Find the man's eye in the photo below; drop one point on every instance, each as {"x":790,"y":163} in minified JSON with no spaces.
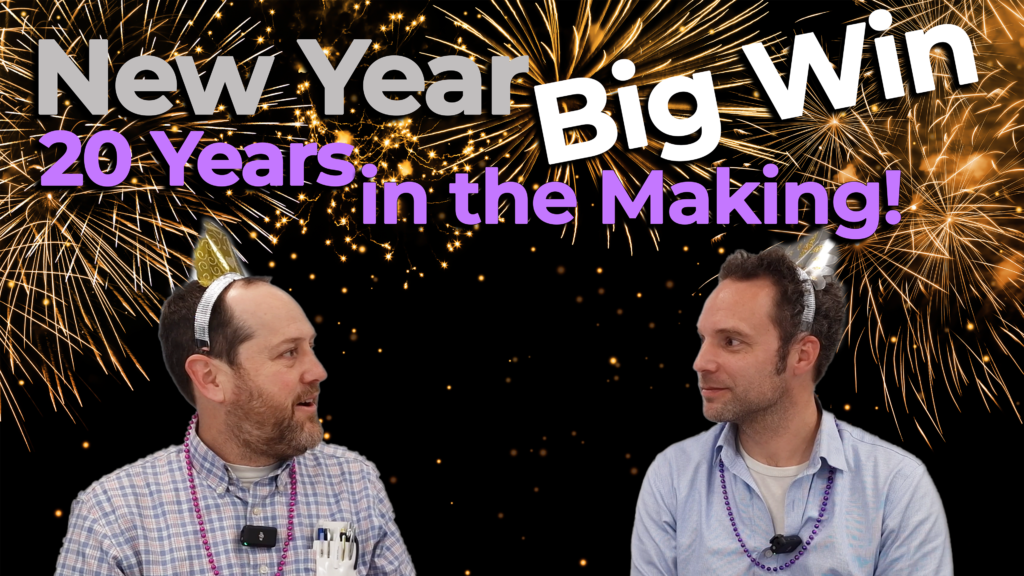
{"x":731,"y":342}
{"x":291,"y":352}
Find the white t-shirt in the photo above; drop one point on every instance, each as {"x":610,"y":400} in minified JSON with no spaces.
{"x":249,"y":474}
{"x":773,"y":483}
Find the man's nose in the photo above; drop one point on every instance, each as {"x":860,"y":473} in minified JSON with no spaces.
{"x":316,"y":371}
{"x":704,"y":362}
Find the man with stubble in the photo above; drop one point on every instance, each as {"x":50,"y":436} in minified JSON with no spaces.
{"x":252,"y":456}
{"x":780,"y":485}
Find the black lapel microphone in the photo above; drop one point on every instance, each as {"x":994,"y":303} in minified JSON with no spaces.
{"x":259,"y":536}
{"x":784,"y":544}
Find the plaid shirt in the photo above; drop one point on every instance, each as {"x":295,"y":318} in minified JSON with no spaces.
{"x":139,"y":519}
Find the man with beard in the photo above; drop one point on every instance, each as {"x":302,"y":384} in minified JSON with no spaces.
{"x":252,"y":457}
{"x":780,"y":484}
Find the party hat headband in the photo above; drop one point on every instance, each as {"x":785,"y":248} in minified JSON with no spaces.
{"x":215,"y":267}
{"x":813,"y":255}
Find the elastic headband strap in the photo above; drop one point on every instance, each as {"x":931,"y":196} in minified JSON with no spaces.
{"x":206,"y":308}
{"x":808,"y":319}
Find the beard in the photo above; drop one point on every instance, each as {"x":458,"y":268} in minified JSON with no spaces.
{"x":264,"y":429}
{"x":761,"y":399}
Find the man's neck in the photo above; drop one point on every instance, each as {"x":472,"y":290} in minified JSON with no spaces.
{"x":785,"y":438}
{"x":211,"y":431}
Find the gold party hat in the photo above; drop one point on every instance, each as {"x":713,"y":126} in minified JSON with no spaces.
{"x":214,"y":256}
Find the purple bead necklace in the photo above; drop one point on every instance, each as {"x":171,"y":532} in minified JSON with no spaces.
{"x":803,"y":548}
{"x":199,"y":514}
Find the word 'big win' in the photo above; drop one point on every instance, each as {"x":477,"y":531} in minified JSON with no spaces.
{"x":788,"y":101}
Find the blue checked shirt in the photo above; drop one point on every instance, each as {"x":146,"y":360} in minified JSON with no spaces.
{"x":884,"y":515}
{"x":139,"y":519}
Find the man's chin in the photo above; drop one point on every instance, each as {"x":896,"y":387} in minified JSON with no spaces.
{"x":304,"y":435}
{"x":304,"y":443}
{"x":316,"y":435}
{"x":714,"y":413}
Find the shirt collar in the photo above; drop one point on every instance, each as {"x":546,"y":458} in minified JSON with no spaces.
{"x":214,"y":471}
{"x":828,"y":445}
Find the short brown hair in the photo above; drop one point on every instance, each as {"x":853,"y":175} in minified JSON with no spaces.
{"x":829,"y":302}
{"x":178,"y":337}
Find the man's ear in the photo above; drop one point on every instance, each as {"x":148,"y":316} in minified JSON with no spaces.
{"x":805,"y":355}
{"x":208,"y":377}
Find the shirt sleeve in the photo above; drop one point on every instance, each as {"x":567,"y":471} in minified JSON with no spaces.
{"x":88,"y":549}
{"x":389,"y":556}
{"x":654,"y":527}
{"x":915,"y":536}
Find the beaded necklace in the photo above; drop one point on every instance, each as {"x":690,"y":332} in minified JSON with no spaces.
{"x":199,"y":514}
{"x":803,"y":548}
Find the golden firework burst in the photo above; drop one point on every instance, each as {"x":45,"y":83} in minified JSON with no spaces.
{"x":78,"y":264}
{"x":662,"y":39}
{"x":935,"y":301}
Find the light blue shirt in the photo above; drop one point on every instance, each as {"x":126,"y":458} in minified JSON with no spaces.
{"x":884,"y":515}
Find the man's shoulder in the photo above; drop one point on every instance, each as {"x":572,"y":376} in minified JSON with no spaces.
{"x":866,"y":447}
{"x":698,"y":443}
{"x":335,"y":456}
{"x":863,"y":441}
{"x":695,"y":448}
{"x":132,"y":478}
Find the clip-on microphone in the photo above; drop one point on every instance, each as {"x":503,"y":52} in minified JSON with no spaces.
{"x":783,"y":544}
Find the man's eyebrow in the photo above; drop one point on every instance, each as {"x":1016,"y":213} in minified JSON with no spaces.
{"x":728,"y":331}
{"x":293,"y":340}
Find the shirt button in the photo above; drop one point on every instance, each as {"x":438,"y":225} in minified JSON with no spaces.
{"x":263,"y":569}
{"x":255,"y":511}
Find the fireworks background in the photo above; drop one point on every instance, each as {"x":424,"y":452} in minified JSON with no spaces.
{"x":80,"y":267}
{"x":547,"y":367}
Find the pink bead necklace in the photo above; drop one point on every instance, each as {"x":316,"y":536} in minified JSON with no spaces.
{"x":199,"y":514}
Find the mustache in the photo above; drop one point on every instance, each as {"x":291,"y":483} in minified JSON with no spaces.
{"x":307,"y":394}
